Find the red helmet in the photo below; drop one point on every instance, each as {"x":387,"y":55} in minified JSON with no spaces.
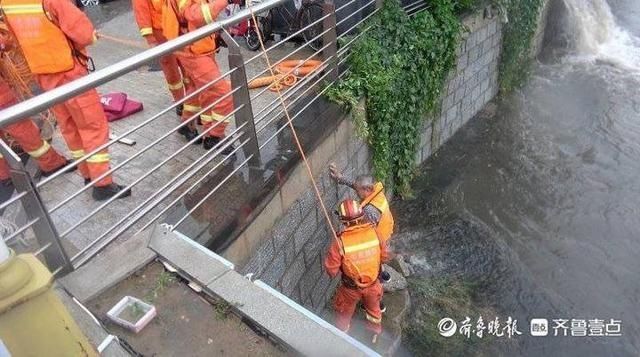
{"x":349,"y":210}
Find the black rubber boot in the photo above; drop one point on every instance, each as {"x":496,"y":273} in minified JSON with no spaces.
{"x":179,"y":110}
{"x":64,"y":168}
{"x":189,"y":134}
{"x":105,"y":192}
{"x":211,"y":141}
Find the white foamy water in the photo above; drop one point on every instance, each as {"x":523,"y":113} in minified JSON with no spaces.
{"x":597,"y":36}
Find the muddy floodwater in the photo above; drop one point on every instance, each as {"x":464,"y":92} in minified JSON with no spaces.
{"x":538,"y":203}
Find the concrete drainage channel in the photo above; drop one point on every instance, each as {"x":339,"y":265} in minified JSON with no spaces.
{"x":267,"y":309}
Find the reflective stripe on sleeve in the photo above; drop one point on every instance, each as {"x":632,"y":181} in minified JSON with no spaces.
{"x":206,"y":12}
{"x":99,"y":158}
{"x":146,"y":31}
{"x":40,"y":151}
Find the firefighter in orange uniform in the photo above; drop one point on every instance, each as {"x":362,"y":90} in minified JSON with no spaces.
{"x":53,"y":36}
{"x":358,"y":256}
{"x":198,"y":62}
{"x":26,"y":133}
{"x":148,"y":14}
{"x":373,"y":201}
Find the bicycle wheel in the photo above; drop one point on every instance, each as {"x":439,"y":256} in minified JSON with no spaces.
{"x":310,"y":21}
{"x":251,"y":38}
{"x":253,"y":42}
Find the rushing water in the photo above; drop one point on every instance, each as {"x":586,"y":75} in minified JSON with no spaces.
{"x":540,"y":203}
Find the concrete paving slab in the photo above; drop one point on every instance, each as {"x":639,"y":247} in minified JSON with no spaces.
{"x":272,"y":312}
{"x":192,"y":259}
{"x":284,"y":319}
{"x":105,"y":270}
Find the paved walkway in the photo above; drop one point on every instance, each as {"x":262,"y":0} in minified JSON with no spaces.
{"x":116,"y":19}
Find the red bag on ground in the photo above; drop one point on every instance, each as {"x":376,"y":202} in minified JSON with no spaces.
{"x":118,"y":105}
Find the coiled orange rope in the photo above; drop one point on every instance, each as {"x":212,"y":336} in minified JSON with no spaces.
{"x":15,"y":70}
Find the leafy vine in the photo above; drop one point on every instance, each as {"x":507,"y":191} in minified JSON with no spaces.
{"x":518,"y":33}
{"x":398,"y":66}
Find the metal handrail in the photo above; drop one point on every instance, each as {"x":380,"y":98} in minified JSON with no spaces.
{"x":155,"y":205}
{"x":45,"y":100}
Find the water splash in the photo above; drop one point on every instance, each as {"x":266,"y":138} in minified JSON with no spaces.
{"x":597,"y":37}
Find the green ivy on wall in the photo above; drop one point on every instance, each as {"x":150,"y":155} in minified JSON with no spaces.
{"x":518,"y":33}
{"x":399,"y":67}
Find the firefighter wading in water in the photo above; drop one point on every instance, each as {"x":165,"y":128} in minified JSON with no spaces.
{"x":358,"y":255}
{"x":199,"y":65}
{"x":53,"y":36}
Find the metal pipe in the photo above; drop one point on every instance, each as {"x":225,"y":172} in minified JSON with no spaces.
{"x":164,"y":210}
{"x":344,"y":5}
{"x":294,"y":101}
{"x":358,"y":24}
{"x":163,"y":188}
{"x":183,"y":178}
{"x":21,"y":229}
{"x":45,"y":100}
{"x":283,"y":41}
{"x":347,"y":46}
{"x":39,"y":251}
{"x":13,"y":199}
{"x":268,"y":69}
{"x":419,"y":2}
{"x":129,"y":159}
{"x":5,"y":253}
{"x":211,"y":192}
{"x":274,"y":103}
{"x":138,"y":180}
{"x":298,"y":113}
{"x":116,"y":139}
{"x":357,"y":11}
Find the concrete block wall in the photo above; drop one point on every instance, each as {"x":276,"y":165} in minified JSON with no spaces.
{"x":291,"y":255}
{"x":290,"y":248}
{"x":471,"y":85}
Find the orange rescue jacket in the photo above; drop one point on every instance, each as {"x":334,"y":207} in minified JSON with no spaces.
{"x":378,"y":200}
{"x":183,"y":16}
{"x":361,"y":254}
{"x":45,"y":47}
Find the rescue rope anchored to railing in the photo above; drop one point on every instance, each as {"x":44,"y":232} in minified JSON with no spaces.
{"x":278,"y":90}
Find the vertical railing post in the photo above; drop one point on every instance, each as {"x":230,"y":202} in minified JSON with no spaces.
{"x":330,"y":39}
{"x":241,"y":98}
{"x":44,"y":229}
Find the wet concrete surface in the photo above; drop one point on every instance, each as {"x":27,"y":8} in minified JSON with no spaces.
{"x":536,"y":202}
{"x":243,"y":188}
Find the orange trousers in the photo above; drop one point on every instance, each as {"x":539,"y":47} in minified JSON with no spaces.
{"x":169,"y":66}
{"x":27,"y":135}
{"x":200,"y":70}
{"x":82,"y":123}
{"x":345,"y":305}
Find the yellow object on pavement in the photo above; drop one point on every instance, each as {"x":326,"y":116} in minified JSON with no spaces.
{"x":33,"y":320}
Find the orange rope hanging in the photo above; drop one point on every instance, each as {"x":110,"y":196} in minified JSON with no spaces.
{"x":295,"y":134}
